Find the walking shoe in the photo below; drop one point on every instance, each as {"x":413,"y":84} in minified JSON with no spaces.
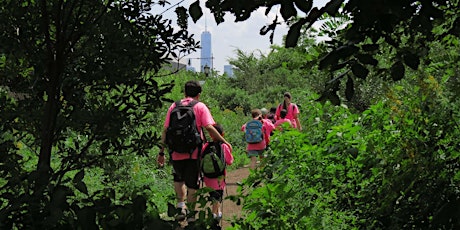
{"x":191,"y":219}
{"x":181,"y":214}
{"x":217,"y":217}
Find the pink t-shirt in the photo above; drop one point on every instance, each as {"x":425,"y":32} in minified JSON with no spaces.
{"x":203,"y":118}
{"x":292,"y":113}
{"x":267,"y":128}
{"x":279,"y":122}
{"x":219,"y":183}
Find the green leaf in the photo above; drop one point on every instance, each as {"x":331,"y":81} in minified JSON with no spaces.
{"x":195,"y":11}
{"x":397,"y":71}
{"x":370,"y":47}
{"x":287,"y":10}
{"x":303,"y":5}
{"x":367,"y":59}
{"x":359,"y":70}
{"x":79,"y":177}
{"x":81,"y":186}
{"x":334,"y":98}
{"x":293,"y":34}
{"x":171,"y":210}
{"x":350,"y":89}
{"x":412,"y":60}
{"x":330,"y":59}
{"x":333,"y":6}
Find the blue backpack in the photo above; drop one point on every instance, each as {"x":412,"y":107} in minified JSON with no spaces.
{"x":254,"y":133}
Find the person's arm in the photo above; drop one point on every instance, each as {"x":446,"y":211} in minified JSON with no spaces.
{"x":213,"y":133}
{"x":297,"y":121}
{"x":228,"y":154}
{"x":161,"y":154}
{"x":296,"y":113}
{"x":277,"y":112}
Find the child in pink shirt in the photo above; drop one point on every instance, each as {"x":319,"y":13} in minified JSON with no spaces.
{"x":283,"y":120}
{"x":218,"y":184}
{"x":291,"y":109}
{"x":257,"y":149}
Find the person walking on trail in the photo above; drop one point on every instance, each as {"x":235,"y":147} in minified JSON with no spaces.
{"x":283,"y":120}
{"x":270,"y":126}
{"x":271,"y":115}
{"x":184,"y":143}
{"x":256,"y":132}
{"x":218,"y":184}
{"x":292,"y":111}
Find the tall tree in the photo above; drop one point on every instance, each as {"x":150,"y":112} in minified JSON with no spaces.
{"x":81,"y":67}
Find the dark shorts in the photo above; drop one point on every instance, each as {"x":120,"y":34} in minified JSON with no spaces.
{"x":216,"y":195}
{"x":255,"y":153}
{"x":186,"y":171}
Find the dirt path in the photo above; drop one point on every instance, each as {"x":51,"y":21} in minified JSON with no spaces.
{"x":230,"y":209}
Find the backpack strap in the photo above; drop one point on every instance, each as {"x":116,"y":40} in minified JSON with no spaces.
{"x":192,"y":104}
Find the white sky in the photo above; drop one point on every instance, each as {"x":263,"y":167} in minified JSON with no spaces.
{"x":229,"y":36}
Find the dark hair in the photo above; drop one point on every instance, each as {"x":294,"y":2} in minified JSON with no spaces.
{"x":219,"y":128}
{"x":283,"y":113}
{"x":255,"y":113}
{"x":273,"y":110}
{"x":192,"y":88}
{"x":288,"y":95}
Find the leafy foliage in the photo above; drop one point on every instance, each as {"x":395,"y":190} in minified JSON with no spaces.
{"x":394,"y":166}
{"x":77,"y":97}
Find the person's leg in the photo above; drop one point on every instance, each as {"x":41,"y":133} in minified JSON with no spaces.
{"x":261,"y":158}
{"x":253,"y":162}
{"x":215,"y":207}
{"x":191,"y":182}
{"x":216,"y":198}
{"x":180,"y":189}
{"x":191,"y":198}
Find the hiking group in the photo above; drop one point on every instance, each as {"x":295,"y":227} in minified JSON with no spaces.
{"x":195,"y":159}
{"x":257,"y":131}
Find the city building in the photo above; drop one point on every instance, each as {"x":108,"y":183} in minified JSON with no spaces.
{"x":206,"y":51}
{"x":191,"y":68}
{"x":228,"y":70}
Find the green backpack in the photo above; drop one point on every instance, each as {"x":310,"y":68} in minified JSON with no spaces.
{"x":213,"y":160}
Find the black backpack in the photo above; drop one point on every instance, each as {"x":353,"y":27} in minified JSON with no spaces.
{"x":213,"y":160}
{"x":182,"y":135}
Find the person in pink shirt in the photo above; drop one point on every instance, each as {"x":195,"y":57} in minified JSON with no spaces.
{"x":282,"y":120}
{"x":269,"y":126}
{"x":186,"y":167}
{"x":292,"y":111}
{"x":257,"y":149}
{"x":218,"y":184}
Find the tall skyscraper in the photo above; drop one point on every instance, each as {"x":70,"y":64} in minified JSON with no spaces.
{"x":206,"y":53}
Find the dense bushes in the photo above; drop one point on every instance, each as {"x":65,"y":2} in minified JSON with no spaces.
{"x":394,"y":166}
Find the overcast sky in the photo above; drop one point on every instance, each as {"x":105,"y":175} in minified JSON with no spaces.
{"x":229,"y":36}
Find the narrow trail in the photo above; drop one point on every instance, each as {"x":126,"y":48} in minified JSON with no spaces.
{"x":229,"y":208}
